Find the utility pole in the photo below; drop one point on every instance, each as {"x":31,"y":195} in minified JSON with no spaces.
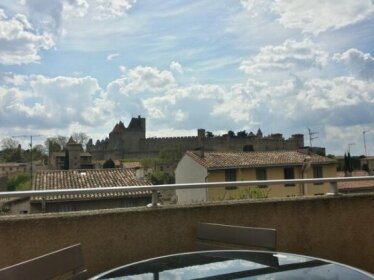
{"x":312,"y":135}
{"x":363,"y":134}
{"x":349,"y":146}
{"x":31,"y":162}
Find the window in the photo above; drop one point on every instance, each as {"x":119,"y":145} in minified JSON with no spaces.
{"x":317,"y":173}
{"x":230,"y":175}
{"x":289,"y":173}
{"x":261,"y":175}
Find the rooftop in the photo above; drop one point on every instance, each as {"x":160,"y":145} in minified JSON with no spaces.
{"x":88,"y":178}
{"x":355,"y":185}
{"x":217,"y":160}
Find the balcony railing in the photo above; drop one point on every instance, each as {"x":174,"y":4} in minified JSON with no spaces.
{"x":156,"y":188}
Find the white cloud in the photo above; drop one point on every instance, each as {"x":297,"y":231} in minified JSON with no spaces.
{"x":112,"y":56}
{"x":339,"y":137}
{"x":332,"y":94}
{"x":320,"y":15}
{"x":256,"y":7}
{"x":239,"y":103}
{"x":361,"y":64}
{"x":290,"y":56}
{"x":75,"y":8}
{"x":112,"y":8}
{"x":142,"y":79}
{"x":176,"y":67}
{"x":19,"y":42}
{"x":45,"y":102}
{"x":122,"y":69}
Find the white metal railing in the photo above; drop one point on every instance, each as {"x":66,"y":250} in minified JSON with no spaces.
{"x":156,"y":188}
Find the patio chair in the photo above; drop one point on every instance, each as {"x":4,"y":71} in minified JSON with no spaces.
{"x":66,"y":263}
{"x":220,"y":237}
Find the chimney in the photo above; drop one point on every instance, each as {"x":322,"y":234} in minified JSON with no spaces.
{"x":201,"y":140}
{"x":139,"y":173}
{"x":202,"y":151}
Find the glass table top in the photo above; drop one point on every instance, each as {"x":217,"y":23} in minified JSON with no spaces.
{"x":235,"y":265}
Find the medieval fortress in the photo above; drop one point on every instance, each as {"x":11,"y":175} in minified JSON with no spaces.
{"x":131,"y":142}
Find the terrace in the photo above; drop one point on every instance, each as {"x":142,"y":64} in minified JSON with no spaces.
{"x":336,"y":227}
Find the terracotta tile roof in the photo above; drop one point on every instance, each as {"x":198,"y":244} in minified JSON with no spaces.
{"x":89,"y":178}
{"x":355,"y":185}
{"x":225,"y":160}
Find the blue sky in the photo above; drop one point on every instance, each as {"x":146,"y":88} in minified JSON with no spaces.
{"x":282,"y":66}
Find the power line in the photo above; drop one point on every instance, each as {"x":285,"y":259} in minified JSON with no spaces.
{"x":31,"y":162}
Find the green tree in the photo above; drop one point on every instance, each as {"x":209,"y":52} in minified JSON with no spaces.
{"x":209,"y":134}
{"x":109,"y":164}
{"x":20,"y":182}
{"x":160,"y":178}
{"x":231,"y":133}
{"x":38,"y":152}
{"x":242,"y":134}
{"x":9,"y":144}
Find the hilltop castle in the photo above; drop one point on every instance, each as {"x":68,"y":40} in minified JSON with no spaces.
{"x":131,"y":142}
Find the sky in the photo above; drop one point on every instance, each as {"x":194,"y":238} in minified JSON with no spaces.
{"x":280,"y":65}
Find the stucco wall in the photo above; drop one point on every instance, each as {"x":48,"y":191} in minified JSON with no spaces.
{"x":189,"y":171}
{"x":337,"y":228}
{"x":273,"y":173}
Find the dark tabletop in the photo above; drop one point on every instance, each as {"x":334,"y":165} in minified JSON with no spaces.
{"x":235,"y":265}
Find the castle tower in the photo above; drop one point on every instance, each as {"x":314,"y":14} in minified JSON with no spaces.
{"x":72,"y":154}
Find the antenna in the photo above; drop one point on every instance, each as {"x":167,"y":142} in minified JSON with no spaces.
{"x":27,"y":136}
{"x":312,"y":135}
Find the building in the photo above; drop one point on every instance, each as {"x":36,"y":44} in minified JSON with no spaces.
{"x":80,"y":179}
{"x":367,"y":163}
{"x":131,"y":142}
{"x":71,"y":157}
{"x":197,"y":167}
{"x":12,"y":168}
{"x":355,"y":186}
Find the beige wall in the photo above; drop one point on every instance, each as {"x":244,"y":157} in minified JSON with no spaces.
{"x":12,"y":169}
{"x":337,"y":228}
{"x":189,"y":171}
{"x":273,"y":173}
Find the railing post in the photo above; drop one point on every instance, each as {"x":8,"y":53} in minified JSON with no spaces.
{"x":154,"y":198}
{"x":334,"y":188}
{"x":43,"y":205}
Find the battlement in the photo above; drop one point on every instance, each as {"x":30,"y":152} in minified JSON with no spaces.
{"x":132,"y":141}
{"x":175,"y":138}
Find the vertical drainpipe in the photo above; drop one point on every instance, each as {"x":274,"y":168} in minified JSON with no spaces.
{"x":206,"y":189}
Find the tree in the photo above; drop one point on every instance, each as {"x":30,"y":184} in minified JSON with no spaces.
{"x":20,"y":182}
{"x":38,"y":152}
{"x":109,"y":164}
{"x":55,"y":143}
{"x":209,"y":134}
{"x":80,"y":138}
{"x":231,"y":133}
{"x":11,"y":150}
{"x":9,"y":143}
{"x":160,"y":178}
{"x":242,"y":134}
